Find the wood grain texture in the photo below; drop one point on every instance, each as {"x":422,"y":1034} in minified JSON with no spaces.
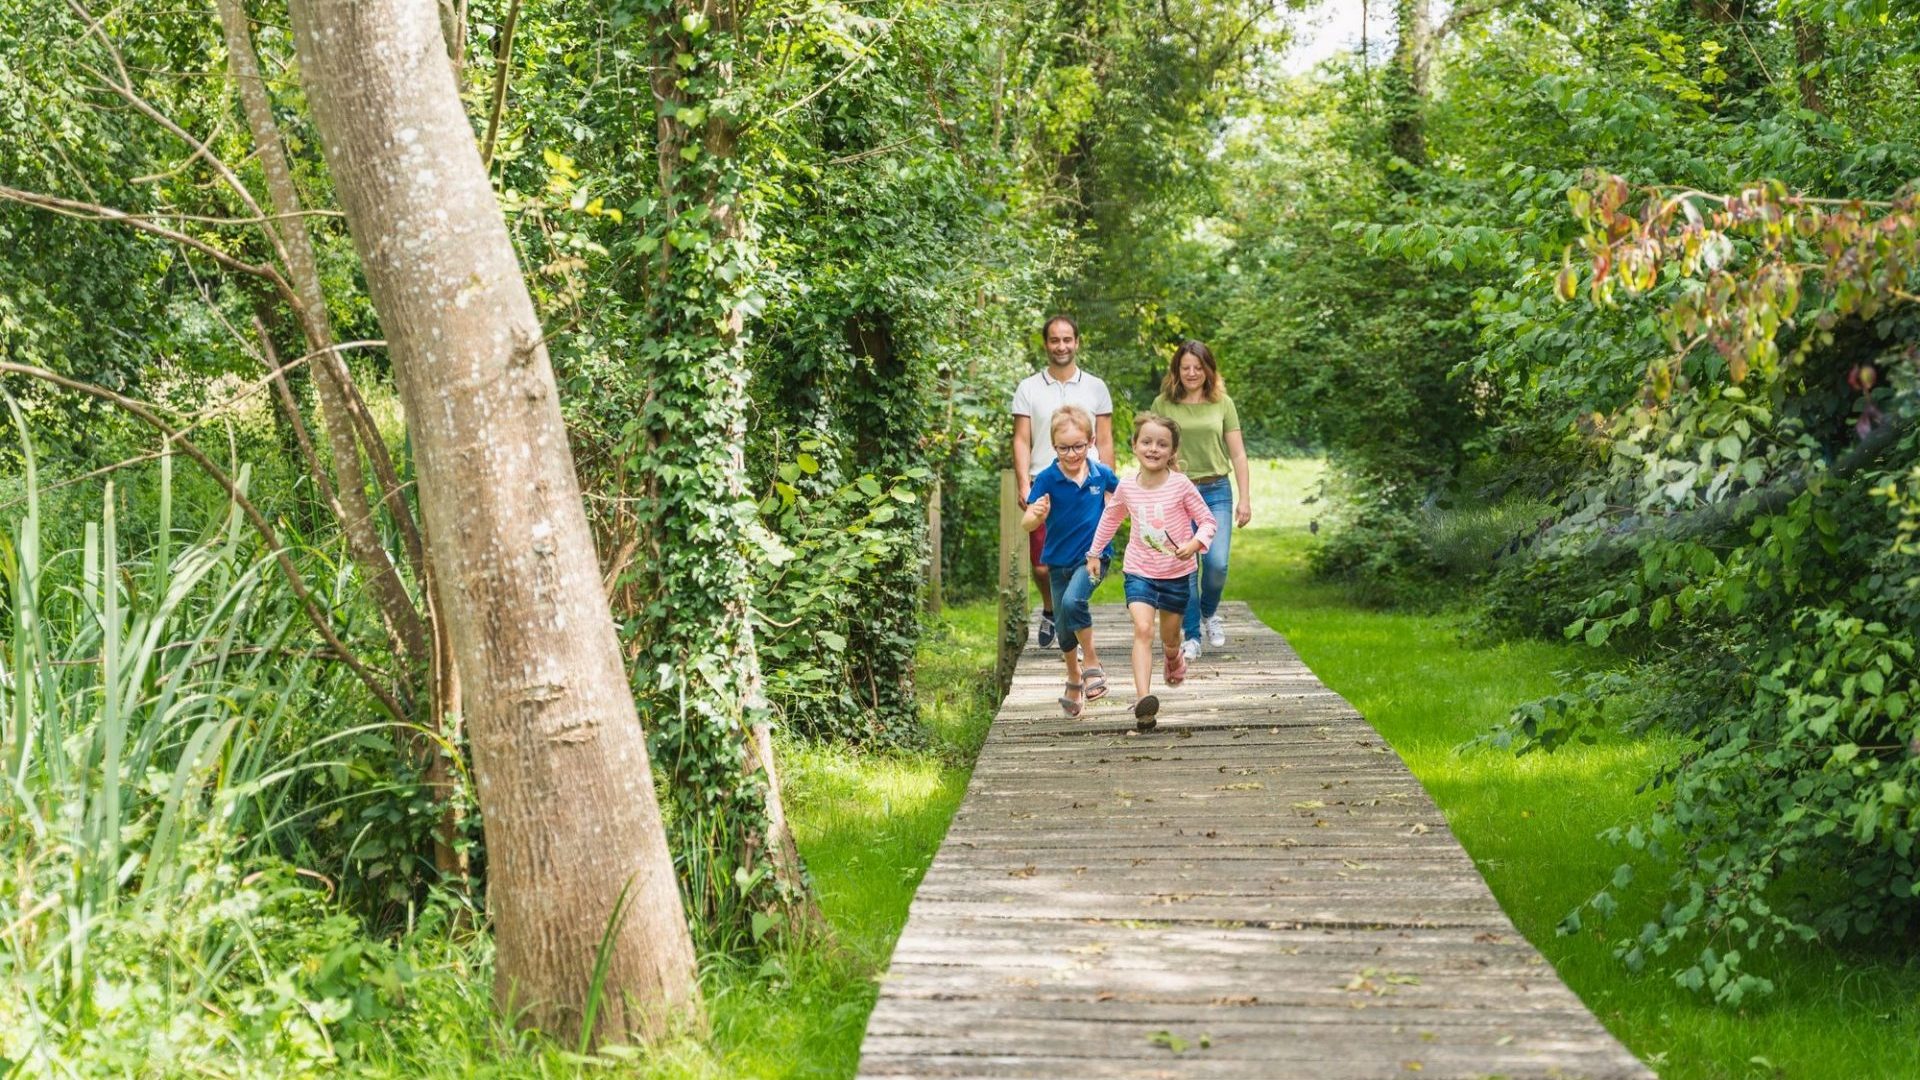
{"x":1258,"y":888}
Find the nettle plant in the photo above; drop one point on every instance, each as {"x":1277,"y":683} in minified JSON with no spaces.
{"x":1763,"y":496}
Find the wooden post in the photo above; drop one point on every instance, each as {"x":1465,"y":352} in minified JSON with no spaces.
{"x":935,"y":598}
{"x":1013,"y":580}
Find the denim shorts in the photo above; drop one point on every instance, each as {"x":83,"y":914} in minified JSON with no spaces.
{"x":1162,"y":594}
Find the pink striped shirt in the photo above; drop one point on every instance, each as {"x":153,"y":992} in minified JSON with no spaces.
{"x":1163,"y":519}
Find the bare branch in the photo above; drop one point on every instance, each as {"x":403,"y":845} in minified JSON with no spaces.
{"x":86,"y":211}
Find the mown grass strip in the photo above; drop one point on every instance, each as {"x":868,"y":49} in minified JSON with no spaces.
{"x":1532,"y":823}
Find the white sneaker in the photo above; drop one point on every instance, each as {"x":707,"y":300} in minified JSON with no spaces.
{"x":1216,"y":628}
{"x":1190,"y":648}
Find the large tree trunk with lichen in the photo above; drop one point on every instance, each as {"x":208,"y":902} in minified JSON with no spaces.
{"x":575,"y":846}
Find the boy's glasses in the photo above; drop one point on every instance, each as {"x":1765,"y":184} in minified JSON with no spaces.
{"x":1073,"y":448}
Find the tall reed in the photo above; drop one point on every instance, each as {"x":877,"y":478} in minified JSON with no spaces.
{"x":156,"y":717}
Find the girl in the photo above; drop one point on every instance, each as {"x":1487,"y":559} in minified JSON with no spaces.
{"x":1165,"y":508}
{"x":1068,"y":497}
{"x":1193,"y":396}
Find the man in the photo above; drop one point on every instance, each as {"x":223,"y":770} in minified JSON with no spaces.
{"x":1038,"y":395}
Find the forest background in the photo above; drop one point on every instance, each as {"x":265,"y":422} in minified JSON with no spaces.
{"x":1602,"y":308}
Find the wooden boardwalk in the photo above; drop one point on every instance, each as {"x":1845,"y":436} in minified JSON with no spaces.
{"x":1259,"y":888}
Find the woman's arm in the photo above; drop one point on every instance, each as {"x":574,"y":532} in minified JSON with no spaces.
{"x":1237,"y":450}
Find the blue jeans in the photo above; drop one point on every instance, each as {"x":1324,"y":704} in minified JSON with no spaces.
{"x":1072,"y":596}
{"x":1210,"y":579}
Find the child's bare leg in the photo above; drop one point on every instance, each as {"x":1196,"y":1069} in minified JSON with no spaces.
{"x":1085,"y":636}
{"x":1170,"y":631}
{"x":1073,"y":675}
{"x":1142,"y":648}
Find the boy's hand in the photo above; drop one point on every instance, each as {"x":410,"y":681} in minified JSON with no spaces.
{"x":1093,"y":567}
{"x":1041,"y":506}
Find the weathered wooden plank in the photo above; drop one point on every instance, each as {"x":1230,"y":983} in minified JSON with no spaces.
{"x":1261,"y":869}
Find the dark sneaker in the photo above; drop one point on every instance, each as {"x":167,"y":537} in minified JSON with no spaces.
{"x":1046,"y":631}
{"x":1145,"y":713}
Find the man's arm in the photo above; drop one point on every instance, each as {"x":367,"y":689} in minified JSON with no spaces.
{"x":1022,"y":455}
{"x":1103,"y":438}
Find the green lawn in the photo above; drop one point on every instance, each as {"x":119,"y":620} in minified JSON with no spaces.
{"x":1531,"y":823}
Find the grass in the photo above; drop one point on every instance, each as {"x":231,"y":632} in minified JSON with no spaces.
{"x":868,"y":825}
{"x":1531,"y":823}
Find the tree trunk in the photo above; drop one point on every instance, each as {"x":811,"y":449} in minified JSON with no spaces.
{"x":1406,"y":89}
{"x":397,"y":611}
{"x":575,"y":847}
{"x":1809,"y":49}
{"x":721,"y":749}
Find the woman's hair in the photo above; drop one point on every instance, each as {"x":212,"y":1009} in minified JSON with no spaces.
{"x":1070,"y":414}
{"x":1068,"y":319}
{"x":1142,"y":419}
{"x":1213,"y":390}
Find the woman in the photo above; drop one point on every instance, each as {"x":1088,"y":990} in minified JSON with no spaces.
{"x":1193,"y":396}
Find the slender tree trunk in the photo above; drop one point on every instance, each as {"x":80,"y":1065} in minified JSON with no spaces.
{"x":1809,"y":49}
{"x":1407,"y":84}
{"x":575,"y":846}
{"x":351,"y":505}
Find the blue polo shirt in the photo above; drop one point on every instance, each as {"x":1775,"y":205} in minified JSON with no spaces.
{"x":1075,"y":514}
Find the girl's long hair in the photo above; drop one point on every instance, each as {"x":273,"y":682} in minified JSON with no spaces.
{"x":1214,"y":388}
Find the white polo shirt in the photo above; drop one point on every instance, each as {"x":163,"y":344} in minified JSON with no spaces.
{"x":1039,"y":394}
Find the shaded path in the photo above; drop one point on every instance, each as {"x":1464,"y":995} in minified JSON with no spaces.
{"x":1259,"y":888}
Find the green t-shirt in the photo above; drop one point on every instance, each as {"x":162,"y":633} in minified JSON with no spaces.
{"x":1203,"y":433}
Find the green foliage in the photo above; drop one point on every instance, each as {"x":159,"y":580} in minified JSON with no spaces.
{"x":163,"y":771}
{"x":1717,"y":405}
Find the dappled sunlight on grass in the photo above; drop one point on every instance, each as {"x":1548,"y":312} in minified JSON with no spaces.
{"x":868,"y":824}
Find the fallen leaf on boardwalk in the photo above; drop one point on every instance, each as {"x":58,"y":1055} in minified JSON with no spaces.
{"x":1106,"y":995}
{"x":1412,"y":1066}
{"x":1310,"y":804}
{"x":1249,"y":785}
{"x":1419,"y":828}
{"x":1169,"y":1040}
{"x":1237,"y":1000}
{"x":1504,"y":1040}
{"x":1024,"y":872}
{"x":1489,"y":939}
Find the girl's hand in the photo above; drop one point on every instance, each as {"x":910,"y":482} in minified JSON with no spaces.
{"x":1242,"y":514}
{"x":1188,"y":549}
{"x":1093,"y":567}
